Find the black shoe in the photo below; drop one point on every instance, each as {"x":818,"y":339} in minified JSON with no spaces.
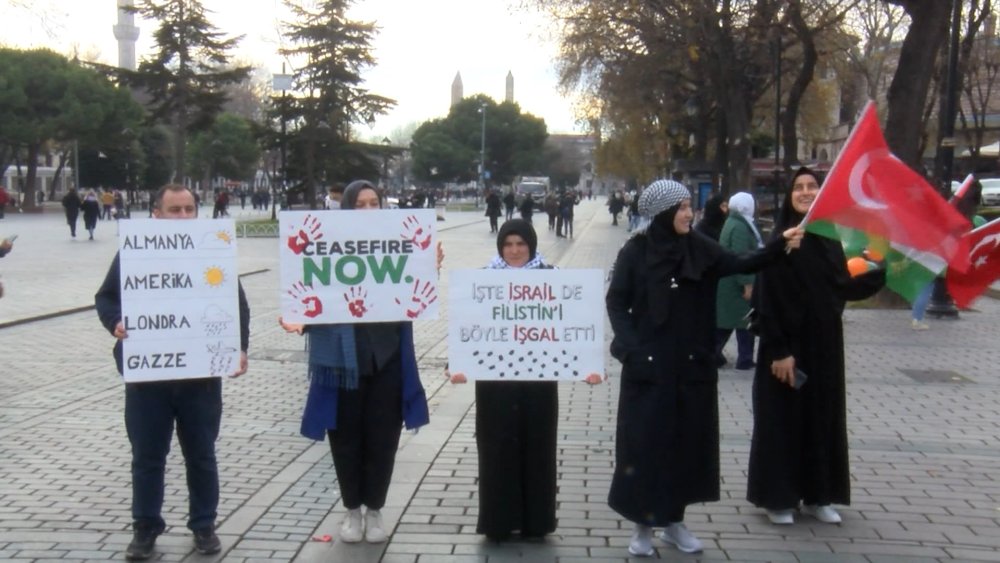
{"x":142,"y":544}
{"x":206,"y":542}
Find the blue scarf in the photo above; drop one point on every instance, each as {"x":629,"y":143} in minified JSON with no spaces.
{"x":333,"y":356}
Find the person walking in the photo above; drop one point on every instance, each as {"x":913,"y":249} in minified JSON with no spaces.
{"x":517,"y":426}
{"x":527,"y":207}
{"x":798,"y":452}
{"x":566,"y":204}
{"x":615,"y":206}
{"x":739,"y":235}
{"x":493,"y":209}
{"x":4,"y":200}
{"x":91,"y":208}
{"x":71,"y":206}
{"x":153,"y":408}
{"x":364,"y":386}
{"x":510,"y":203}
{"x":551,"y":207}
{"x":107,"y":204}
{"x":714,"y":217}
{"x":661,"y":304}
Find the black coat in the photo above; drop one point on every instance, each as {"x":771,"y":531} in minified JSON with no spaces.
{"x":799,"y":446}
{"x":91,"y":211}
{"x":667,"y":441}
{"x":493,"y":206}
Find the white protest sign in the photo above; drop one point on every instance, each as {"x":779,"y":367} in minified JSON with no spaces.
{"x":179,"y":298}
{"x":526,"y":325}
{"x":358,"y":266}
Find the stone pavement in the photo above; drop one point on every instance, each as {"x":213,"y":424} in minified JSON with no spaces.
{"x":923,"y":416}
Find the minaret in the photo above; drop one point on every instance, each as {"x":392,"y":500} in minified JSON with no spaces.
{"x":510,"y":87}
{"x":456,"y":89}
{"x":126,"y":33}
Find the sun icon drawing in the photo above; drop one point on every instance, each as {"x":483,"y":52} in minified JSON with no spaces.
{"x":214,"y":276}
{"x":217,"y":239}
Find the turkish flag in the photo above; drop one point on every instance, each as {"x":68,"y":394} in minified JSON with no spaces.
{"x":984,"y":265}
{"x":871,"y":190}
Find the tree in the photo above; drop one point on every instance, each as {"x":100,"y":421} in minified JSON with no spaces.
{"x":329,"y":92}
{"x":228,"y":149}
{"x":449,"y":149}
{"x":44,"y":97}
{"x":157,"y":148}
{"x":980,"y":70}
{"x":186,"y":77}
{"x":911,"y":82}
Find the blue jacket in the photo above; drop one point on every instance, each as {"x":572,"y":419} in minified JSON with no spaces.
{"x":320,"y":413}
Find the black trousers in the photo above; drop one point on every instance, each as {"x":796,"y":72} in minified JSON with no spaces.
{"x":369,"y":422}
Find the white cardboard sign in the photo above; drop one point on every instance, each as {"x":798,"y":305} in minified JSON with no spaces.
{"x":179,"y":298}
{"x":526,"y":325}
{"x":358,"y":266}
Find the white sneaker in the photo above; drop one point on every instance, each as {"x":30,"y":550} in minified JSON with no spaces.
{"x":678,"y":534}
{"x":374,"y":528}
{"x":352,"y":528}
{"x":781,"y":517}
{"x":642,"y":542}
{"x":917,"y":325}
{"x":824,"y":513}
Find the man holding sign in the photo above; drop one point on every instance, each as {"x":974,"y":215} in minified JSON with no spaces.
{"x":153,"y":405}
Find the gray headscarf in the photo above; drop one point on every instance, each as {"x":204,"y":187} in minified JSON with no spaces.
{"x":743,"y":203}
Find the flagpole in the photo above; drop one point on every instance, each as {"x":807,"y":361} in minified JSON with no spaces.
{"x":941,"y":305}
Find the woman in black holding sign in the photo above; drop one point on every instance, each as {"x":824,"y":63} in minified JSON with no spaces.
{"x":364,"y":387}
{"x":516,"y":424}
{"x":661,"y":303}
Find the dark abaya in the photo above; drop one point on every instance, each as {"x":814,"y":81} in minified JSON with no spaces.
{"x":799,"y":447}
{"x":661,"y":303}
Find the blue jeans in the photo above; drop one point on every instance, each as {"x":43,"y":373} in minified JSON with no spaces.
{"x":922,"y":300}
{"x":150,"y":411}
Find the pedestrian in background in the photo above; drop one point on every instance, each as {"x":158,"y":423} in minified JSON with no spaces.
{"x":798,"y":453}
{"x":107,"y":204}
{"x":661,"y":304}
{"x":517,"y":426}
{"x":739,"y":236}
{"x":615,"y":206}
{"x":364,"y":386}
{"x":91,"y":208}
{"x":152,"y":409}
{"x":567,"y":202}
{"x":5,"y":247}
{"x":551,"y":206}
{"x":527,"y":208}
{"x":493,"y":210}
{"x":4,"y":200}
{"x":713,"y":217}
{"x":71,"y":206}
{"x":509,"y":203}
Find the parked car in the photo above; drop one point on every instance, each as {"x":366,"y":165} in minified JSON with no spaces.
{"x":991,"y":191}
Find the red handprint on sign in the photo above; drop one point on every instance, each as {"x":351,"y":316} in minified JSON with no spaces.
{"x":416,"y":233}
{"x":356,"y":301}
{"x":308,"y":232}
{"x":422,"y":297}
{"x":312,"y":305}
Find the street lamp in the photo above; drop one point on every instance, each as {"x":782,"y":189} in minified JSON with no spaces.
{"x":941,"y":305}
{"x":281,"y":82}
{"x":385,"y":164}
{"x":482,"y":155}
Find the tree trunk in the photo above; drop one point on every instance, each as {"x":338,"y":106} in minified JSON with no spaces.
{"x":30,"y":203}
{"x":911,"y":82}
{"x":789,"y":118}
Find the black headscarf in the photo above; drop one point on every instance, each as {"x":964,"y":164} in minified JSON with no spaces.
{"x":350,"y":199}
{"x":671,"y":256}
{"x":818,"y":256}
{"x":521,"y":228}
{"x":713,"y":220}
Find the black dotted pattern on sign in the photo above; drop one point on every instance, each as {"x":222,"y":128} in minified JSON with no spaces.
{"x":527,"y":363}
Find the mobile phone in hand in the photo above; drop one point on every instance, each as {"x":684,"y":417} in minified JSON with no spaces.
{"x":800,"y":379}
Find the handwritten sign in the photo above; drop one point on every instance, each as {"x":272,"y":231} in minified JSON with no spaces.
{"x":179,"y":298}
{"x":358,"y":266}
{"x":526,"y":325}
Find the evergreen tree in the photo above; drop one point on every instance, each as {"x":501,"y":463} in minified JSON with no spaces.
{"x":187,"y":76}
{"x":330,"y":89}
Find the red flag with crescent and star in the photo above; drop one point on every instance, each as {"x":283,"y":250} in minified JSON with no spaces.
{"x":984,"y":265}
{"x":871,"y":190}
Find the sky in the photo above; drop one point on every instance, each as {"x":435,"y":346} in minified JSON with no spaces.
{"x":421,"y":46}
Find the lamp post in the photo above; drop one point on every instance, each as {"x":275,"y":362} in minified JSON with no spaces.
{"x":482,"y":155}
{"x":387,"y":144}
{"x":941,"y":305}
{"x":777,"y":121}
{"x":283,"y":83}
